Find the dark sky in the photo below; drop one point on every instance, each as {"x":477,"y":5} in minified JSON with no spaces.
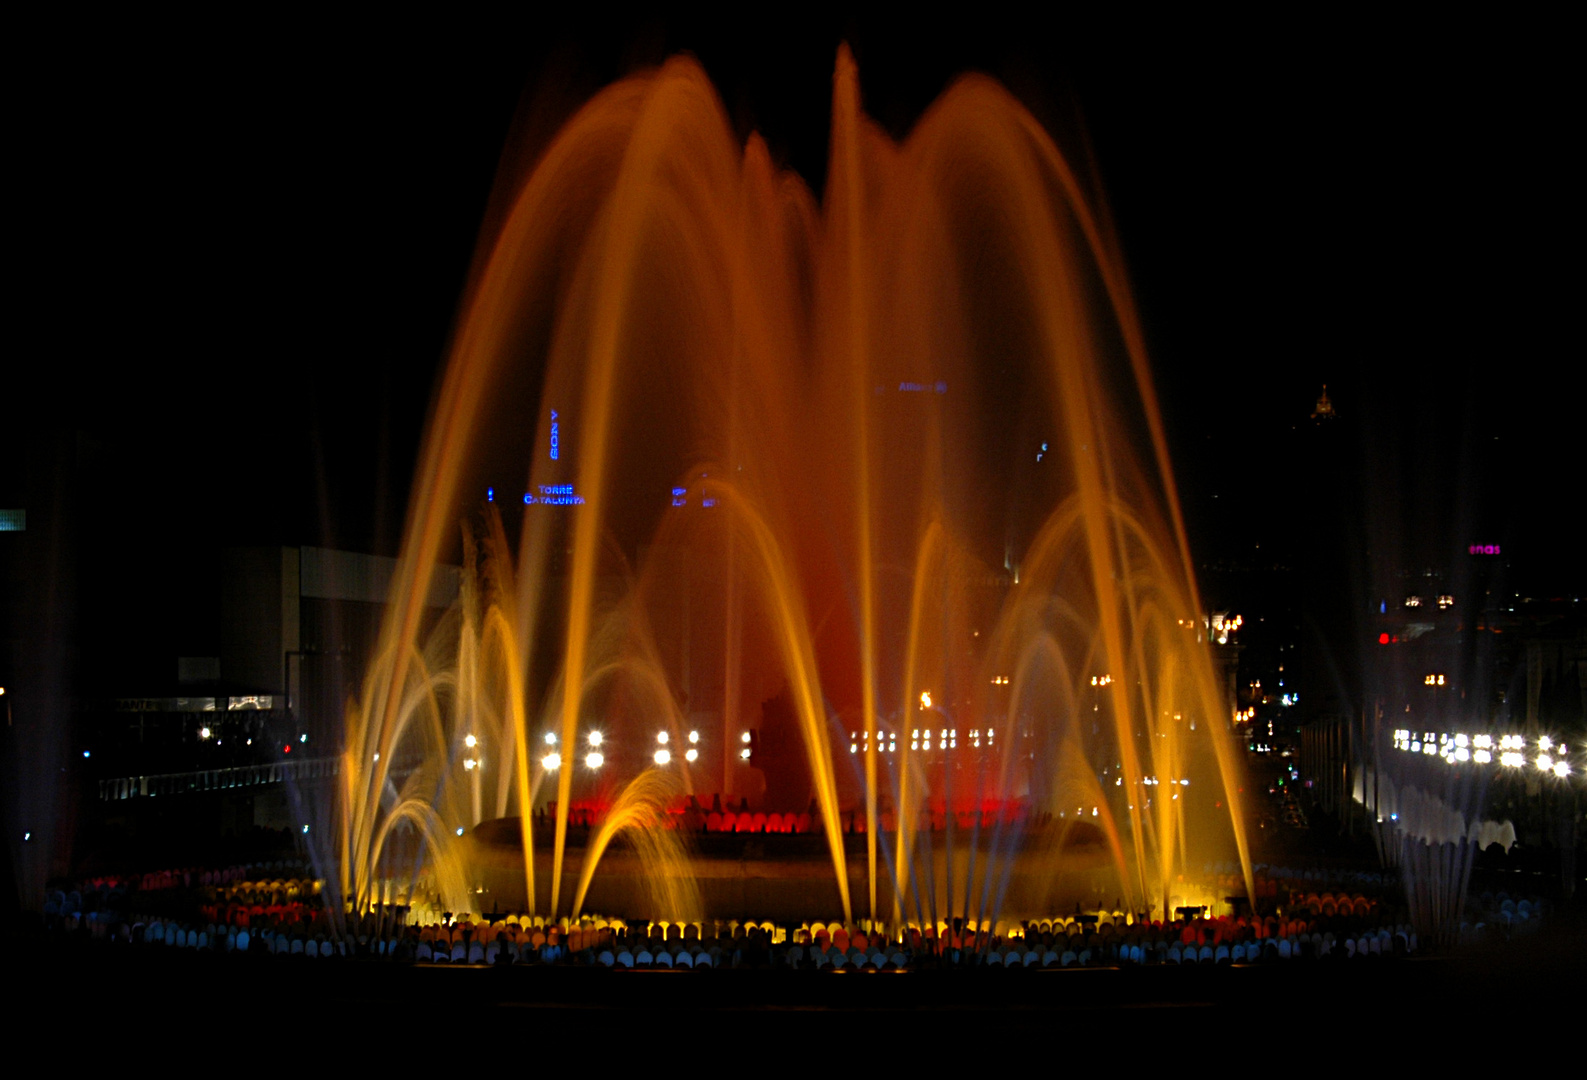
{"x":237,"y":252}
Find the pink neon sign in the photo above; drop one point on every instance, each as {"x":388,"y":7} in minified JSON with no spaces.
{"x":1484,"y":549}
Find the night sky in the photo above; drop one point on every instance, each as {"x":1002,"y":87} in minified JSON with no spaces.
{"x":237,"y":259}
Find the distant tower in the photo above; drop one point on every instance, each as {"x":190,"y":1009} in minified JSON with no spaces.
{"x":1324,"y":409}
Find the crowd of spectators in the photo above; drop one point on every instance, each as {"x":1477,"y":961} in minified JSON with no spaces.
{"x":277,"y":910}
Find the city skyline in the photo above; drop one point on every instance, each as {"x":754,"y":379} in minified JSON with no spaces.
{"x":273,"y":276}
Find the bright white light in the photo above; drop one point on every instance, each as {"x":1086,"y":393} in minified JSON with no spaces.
{"x":1544,"y":762}
{"x":694,"y":736}
{"x":203,"y":733}
{"x":662,"y":737}
{"x":662,"y":756}
{"x":1511,"y":759}
{"x":551,"y":739}
{"x":1462,"y":754}
{"x":925,"y":699}
{"x":1545,"y":743}
{"x":853,"y":749}
{"x":595,"y":738}
{"x":469,"y":763}
{"x":459,"y":829}
{"x":1482,"y":742}
{"x":1461,"y":740}
{"x":744,"y":754}
{"x":594,"y":759}
{"x":1562,"y":769}
{"x":303,"y":737}
{"x":306,"y":828}
{"x":470,"y":742}
{"x":1482,"y":757}
{"x":551,"y":762}
{"x":691,"y":754}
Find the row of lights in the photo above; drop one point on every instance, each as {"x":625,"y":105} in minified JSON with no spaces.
{"x":1551,"y":756}
{"x":594,"y":758}
{"x":206,"y":733}
{"x":920,"y":739}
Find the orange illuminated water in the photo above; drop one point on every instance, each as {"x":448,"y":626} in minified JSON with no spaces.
{"x":836,"y":474}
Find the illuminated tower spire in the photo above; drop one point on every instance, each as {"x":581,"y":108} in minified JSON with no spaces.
{"x":1324,"y":409}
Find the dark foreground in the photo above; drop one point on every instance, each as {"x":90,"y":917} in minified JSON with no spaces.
{"x":1509,"y":988}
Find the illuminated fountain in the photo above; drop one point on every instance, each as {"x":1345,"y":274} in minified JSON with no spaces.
{"x":866,"y":504}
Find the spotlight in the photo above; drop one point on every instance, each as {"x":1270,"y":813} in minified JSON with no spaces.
{"x":594,"y":759}
{"x":470,"y":742}
{"x":691,"y":754}
{"x":595,"y":738}
{"x":551,"y":739}
{"x":662,"y":737}
{"x":551,"y":762}
{"x":663,"y":756}
{"x":744,"y":737}
{"x":694,"y":736}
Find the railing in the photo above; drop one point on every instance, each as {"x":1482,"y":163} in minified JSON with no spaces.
{"x":242,"y":776}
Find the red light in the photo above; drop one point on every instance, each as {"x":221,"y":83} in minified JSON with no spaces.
{"x":287,"y":749}
{"x":1383,"y":639}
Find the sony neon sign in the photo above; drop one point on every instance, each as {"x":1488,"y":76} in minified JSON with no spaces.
{"x":1484,"y":549}
{"x":680,"y":497}
{"x":556,"y":436}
